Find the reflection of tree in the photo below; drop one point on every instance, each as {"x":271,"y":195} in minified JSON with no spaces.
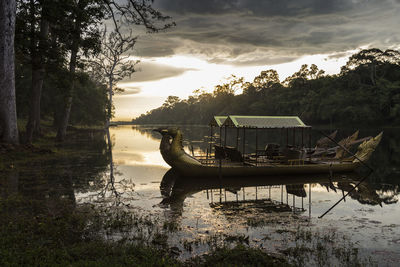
{"x":113,"y":191}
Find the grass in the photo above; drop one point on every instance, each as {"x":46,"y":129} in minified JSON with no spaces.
{"x":33,"y":235}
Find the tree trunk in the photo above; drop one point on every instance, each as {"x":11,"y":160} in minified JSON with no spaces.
{"x":62,"y":129}
{"x":110,"y":95}
{"x":8,"y":111}
{"x":38,"y":73}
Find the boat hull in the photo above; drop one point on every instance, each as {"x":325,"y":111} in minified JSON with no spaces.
{"x":188,"y":170}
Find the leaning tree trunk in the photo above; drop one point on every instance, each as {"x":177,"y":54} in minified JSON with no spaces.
{"x":8,"y":110}
{"x":62,"y":129}
{"x":38,"y":73}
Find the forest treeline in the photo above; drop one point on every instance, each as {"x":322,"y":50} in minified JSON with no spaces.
{"x":67,"y":57}
{"x":366,"y":91}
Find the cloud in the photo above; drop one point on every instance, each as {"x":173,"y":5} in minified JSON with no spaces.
{"x":229,"y":31}
{"x":151,"y":71}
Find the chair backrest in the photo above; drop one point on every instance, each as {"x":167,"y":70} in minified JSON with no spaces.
{"x":219,"y":152}
{"x":272,"y":150}
{"x":233,"y":154}
{"x":291,"y":153}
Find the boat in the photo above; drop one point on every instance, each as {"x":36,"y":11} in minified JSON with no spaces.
{"x":173,"y":153}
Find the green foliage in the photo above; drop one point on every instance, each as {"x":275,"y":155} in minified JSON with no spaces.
{"x":358,"y":95}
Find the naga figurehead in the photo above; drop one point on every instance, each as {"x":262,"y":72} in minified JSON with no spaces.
{"x":366,"y":148}
{"x":171,"y":147}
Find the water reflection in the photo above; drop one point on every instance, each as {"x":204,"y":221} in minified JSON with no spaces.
{"x":175,"y":189}
{"x":54,"y":181}
{"x":201,"y":207}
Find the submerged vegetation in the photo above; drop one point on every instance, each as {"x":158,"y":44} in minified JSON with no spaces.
{"x":367,"y":90}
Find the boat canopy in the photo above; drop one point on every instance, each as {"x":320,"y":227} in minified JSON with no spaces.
{"x":264,"y":122}
{"x":217,"y":121}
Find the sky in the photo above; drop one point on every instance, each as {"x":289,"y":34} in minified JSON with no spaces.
{"x":214,"y":39}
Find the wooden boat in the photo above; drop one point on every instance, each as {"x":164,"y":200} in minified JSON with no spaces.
{"x":172,"y":151}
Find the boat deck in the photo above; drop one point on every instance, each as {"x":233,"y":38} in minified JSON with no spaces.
{"x":267,"y":162}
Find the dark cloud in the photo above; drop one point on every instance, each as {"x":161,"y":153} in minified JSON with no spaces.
{"x":150,"y":71}
{"x":131,"y":90}
{"x":228,"y":31}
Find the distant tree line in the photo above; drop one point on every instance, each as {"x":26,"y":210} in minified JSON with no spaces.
{"x":366,"y":91}
{"x":65,"y":62}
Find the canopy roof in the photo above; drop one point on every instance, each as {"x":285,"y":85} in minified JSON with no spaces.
{"x":264,"y":122}
{"x":218,"y":121}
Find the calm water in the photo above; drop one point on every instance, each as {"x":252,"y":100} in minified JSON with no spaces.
{"x":261,"y":210}
{"x":204,"y":212}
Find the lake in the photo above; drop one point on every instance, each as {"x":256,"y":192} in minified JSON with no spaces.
{"x":199,"y":214}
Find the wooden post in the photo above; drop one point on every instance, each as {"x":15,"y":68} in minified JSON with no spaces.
{"x":302,"y":137}
{"x":309,"y":200}
{"x":256,"y":192}
{"x":294,"y":204}
{"x":309,"y":140}
{"x":287,"y":197}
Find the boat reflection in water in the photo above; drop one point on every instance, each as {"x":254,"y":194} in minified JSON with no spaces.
{"x":289,"y":193}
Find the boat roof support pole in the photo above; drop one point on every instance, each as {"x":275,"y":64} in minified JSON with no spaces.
{"x":237,"y":138}
{"x":302,"y":137}
{"x":220,"y":136}
{"x":287,"y":137}
{"x":256,"y":146}
{"x":211,"y":138}
{"x":294,"y":137}
{"x":244,"y":142}
{"x":225,"y":129}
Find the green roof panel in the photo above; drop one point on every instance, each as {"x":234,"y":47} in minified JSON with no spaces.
{"x":264,"y":122}
{"x":218,"y":121}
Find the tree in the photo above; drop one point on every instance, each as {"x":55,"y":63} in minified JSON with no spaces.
{"x":170,"y":102}
{"x":266,"y":79}
{"x":87,"y":15}
{"x":8,"y":113}
{"x":113,"y":63}
{"x":83,"y":34}
{"x":38,"y":46}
